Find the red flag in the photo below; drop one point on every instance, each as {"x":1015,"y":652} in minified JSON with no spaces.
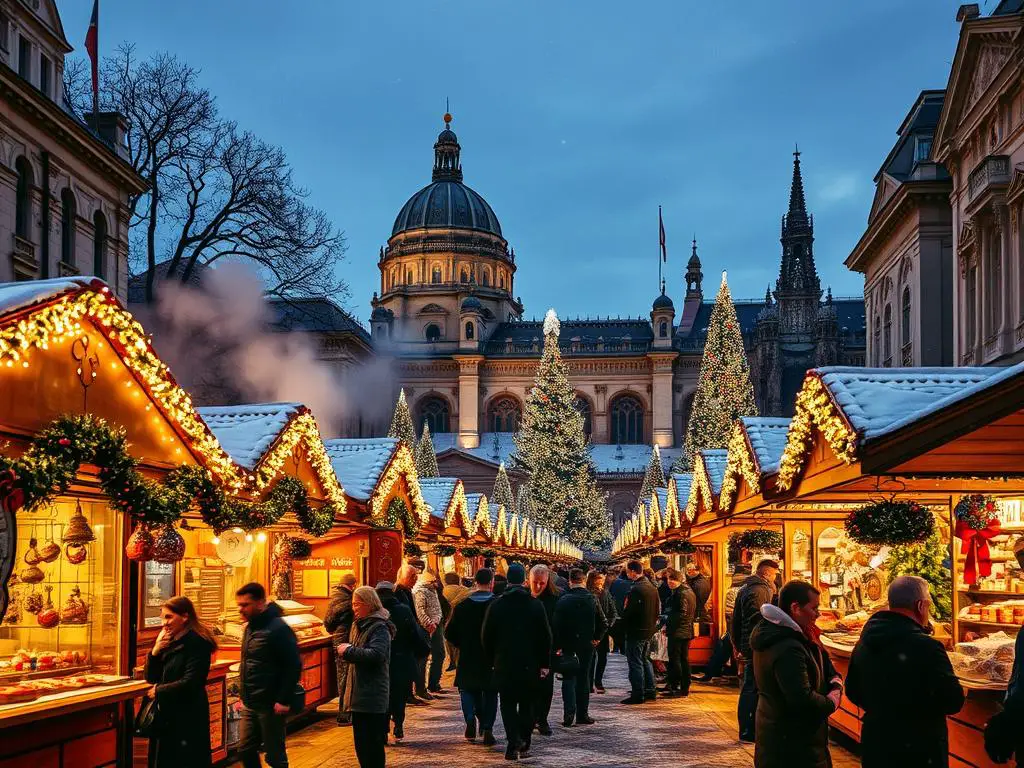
{"x":661,"y":233}
{"x":92,"y":46}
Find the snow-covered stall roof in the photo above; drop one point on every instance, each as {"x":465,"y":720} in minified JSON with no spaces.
{"x":438,"y":492}
{"x":767,"y":438}
{"x":714,"y":463}
{"x":17,"y":296}
{"x":246,"y":432}
{"x":680,"y":483}
{"x":360,"y":462}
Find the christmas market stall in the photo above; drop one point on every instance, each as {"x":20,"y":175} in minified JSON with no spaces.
{"x":451,"y":540}
{"x":382,"y":490}
{"x":98,"y":438}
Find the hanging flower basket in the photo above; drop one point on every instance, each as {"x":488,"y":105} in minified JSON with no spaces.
{"x":470,"y":551}
{"x":678,"y":546}
{"x":760,"y":539}
{"x":488,"y":553}
{"x":444,"y":550}
{"x":890,"y":523}
{"x":412,"y":549}
{"x":977,"y":521}
{"x":299,"y":549}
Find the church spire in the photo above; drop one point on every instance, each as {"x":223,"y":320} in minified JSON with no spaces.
{"x":447,"y":166}
{"x":693,"y":274}
{"x":797,"y":273}
{"x":797,"y":204}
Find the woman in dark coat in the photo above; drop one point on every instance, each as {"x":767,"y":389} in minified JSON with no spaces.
{"x":366,"y":693}
{"x":177,"y":667}
{"x":606,"y":603}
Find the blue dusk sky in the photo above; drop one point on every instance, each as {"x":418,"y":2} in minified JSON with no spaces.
{"x":576,"y":119}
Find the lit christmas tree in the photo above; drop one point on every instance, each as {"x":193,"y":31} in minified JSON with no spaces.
{"x":426,"y":458}
{"x":552,"y":447}
{"x":502,"y":493}
{"x":523,"y":505}
{"x":401,"y":423}
{"x":724,"y":391}
{"x":654,"y":477}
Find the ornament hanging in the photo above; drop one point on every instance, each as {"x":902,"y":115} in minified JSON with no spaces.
{"x":140,"y":545}
{"x":78,"y":530}
{"x":169,"y":546}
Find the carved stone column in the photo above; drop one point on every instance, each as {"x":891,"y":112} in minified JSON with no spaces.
{"x":661,"y":397}
{"x":469,"y":400}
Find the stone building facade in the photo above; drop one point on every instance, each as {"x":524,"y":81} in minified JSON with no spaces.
{"x":64,"y":185}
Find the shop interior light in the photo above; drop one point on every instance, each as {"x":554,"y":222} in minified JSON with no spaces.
{"x":261,"y":537}
{"x":216,"y":540}
{"x":248,"y":537}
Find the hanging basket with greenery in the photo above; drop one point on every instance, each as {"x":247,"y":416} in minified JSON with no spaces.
{"x":444,"y":550}
{"x":412,"y":549}
{"x":678,"y":547}
{"x":299,"y":549}
{"x":890,"y":523}
{"x":760,"y":539}
{"x":470,"y":551}
{"x":488,"y":553}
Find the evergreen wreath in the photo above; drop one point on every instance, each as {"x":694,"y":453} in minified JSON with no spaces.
{"x":444,"y":550}
{"x":977,"y":511}
{"x":412,"y":549}
{"x":299,"y":549}
{"x":890,"y":523}
{"x":761,"y":539}
{"x":470,"y":551}
{"x":397,"y":512}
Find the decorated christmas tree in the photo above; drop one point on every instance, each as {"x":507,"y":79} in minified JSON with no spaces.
{"x":502,"y":493}
{"x":724,"y":391}
{"x":426,"y":458}
{"x":552,"y":448}
{"x":927,"y":560}
{"x":401,"y":423}
{"x":654,"y":477}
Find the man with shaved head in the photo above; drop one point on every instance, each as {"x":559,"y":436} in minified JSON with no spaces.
{"x":904,"y":682}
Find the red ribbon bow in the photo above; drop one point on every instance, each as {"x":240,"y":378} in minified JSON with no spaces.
{"x":975,"y":546}
{"x":11,"y":496}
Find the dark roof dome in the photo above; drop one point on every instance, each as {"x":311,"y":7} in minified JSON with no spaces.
{"x":471,"y":302}
{"x":663,"y":302}
{"x":447,"y":202}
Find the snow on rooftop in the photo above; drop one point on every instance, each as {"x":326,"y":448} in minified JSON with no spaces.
{"x":767,"y":438}
{"x":437,"y":493}
{"x":359,"y":463}
{"x":662,"y":494}
{"x":714,"y":461}
{"x":879,"y":400}
{"x":473,"y":507}
{"x":15,"y":296}
{"x":683,"y":483}
{"x":246,"y":432}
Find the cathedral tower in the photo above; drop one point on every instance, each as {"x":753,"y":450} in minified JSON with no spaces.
{"x":798,"y":289}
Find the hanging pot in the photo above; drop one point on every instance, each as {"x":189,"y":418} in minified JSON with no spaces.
{"x":32,"y":556}
{"x":140,"y":545}
{"x":78,"y":530}
{"x":50,"y":551}
{"x":32,"y":575}
{"x":76,"y":553}
{"x":169,"y":546}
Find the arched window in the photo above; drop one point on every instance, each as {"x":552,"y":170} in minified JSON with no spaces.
{"x":876,"y":352}
{"x":99,"y":245}
{"x":433,"y":332}
{"x":23,"y":199}
{"x":408,"y":277}
{"x":663,"y":330}
{"x":433,"y":412}
{"x":67,"y":226}
{"x":501,"y":280}
{"x":469,"y":331}
{"x":504,"y":415}
{"x":887,"y":337}
{"x":435,"y":275}
{"x":464,"y":276}
{"x":905,"y":323}
{"x":583,"y":407}
{"x":626,"y":420}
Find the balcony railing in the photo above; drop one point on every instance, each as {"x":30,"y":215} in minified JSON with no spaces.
{"x":993,"y":171}
{"x":23,"y":259}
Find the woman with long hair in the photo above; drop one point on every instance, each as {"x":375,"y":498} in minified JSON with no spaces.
{"x":605,"y":603}
{"x":177,"y":667}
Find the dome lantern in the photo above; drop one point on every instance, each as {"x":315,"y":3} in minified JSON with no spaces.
{"x":447,"y":166}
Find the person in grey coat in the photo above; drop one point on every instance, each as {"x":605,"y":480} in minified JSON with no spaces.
{"x":366,"y":693}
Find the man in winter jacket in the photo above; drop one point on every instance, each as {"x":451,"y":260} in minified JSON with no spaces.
{"x":338,"y":621}
{"x":454,"y":593}
{"x":797,"y":684}
{"x":428,"y":614}
{"x":543,"y":589}
{"x":640,"y":623}
{"x":680,"y":613}
{"x":473,"y":677}
{"x":701,"y":586}
{"x":578,"y":626}
{"x":756,"y":591}
{"x":269,"y":670}
{"x":618,"y":588}
{"x":904,"y":682}
{"x":517,"y":645}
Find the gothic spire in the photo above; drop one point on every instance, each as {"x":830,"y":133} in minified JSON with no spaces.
{"x":447,"y":166}
{"x":797,"y":273}
{"x":797,"y":205}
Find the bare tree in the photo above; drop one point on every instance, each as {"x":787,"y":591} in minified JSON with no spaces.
{"x":214,"y":191}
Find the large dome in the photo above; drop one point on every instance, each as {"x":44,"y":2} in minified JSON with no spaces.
{"x":447,"y":204}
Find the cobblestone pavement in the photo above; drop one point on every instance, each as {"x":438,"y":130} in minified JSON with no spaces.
{"x":685,"y":733}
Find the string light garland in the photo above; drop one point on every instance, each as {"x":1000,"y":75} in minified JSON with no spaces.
{"x":815,"y":409}
{"x":482,"y":519}
{"x":303,"y":430}
{"x":740,"y":465}
{"x":458,"y":512}
{"x":400,"y":466}
{"x":700,"y":490}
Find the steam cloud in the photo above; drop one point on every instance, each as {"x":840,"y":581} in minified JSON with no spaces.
{"x":218,"y":341}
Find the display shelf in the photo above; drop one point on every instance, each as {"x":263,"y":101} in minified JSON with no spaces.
{"x":989,"y":592}
{"x":995,"y":624}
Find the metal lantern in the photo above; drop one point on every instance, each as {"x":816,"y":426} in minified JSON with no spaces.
{"x":78,"y":530}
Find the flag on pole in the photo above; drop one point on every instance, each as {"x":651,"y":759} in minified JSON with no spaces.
{"x":661,"y":235}
{"x":92,"y":46}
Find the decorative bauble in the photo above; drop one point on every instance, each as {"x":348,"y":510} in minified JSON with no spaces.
{"x":48,"y":617}
{"x":169,"y":546}
{"x":34,"y":602}
{"x":140,"y":545}
{"x":75,"y":610}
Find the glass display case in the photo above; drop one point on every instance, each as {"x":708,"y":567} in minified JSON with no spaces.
{"x":61,"y":628}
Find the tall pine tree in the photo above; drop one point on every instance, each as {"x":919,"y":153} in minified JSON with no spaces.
{"x":724,"y":391}
{"x":552,"y":448}
{"x":654,"y":477}
{"x":502,"y":493}
{"x":401,"y":423}
{"x":426,"y":458}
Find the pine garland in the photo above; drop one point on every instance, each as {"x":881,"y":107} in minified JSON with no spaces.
{"x":425,"y":456}
{"x":412,"y":549}
{"x":397,"y":514}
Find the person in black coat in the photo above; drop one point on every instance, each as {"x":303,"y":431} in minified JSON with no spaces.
{"x":618,"y":588}
{"x":904,"y":682}
{"x":542,"y":587}
{"x":756,"y":591}
{"x":406,"y":645}
{"x":338,"y":621}
{"x":473,"y":677}
{"x":596,"y":585}
{"x":640,"y":623}
{"x":577,"y":627}
{"x":680,"y":612}
{"x":268,"y":674}
{"x":178,"y":666}
{"x":517,"y":644}
{"x":701,"y":586}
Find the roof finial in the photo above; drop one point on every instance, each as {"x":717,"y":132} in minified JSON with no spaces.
{"x":447,"y":113}
{"x":796,"y":152}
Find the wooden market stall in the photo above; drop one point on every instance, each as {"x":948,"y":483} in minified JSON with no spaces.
{"x":88,"y":413}
{"x":453,"y":539}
